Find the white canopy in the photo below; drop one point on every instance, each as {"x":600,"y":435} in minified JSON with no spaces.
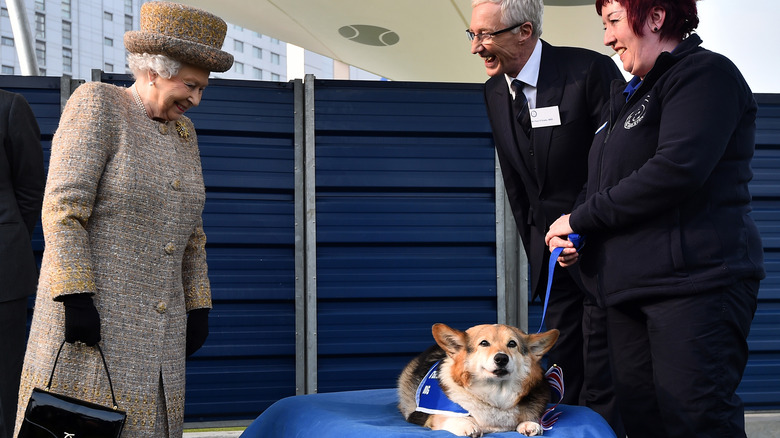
{"x":408,"y":40}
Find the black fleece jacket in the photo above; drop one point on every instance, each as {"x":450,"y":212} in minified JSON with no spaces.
{"x":666,"y":205}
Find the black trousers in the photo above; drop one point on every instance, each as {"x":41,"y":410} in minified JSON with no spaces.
{"x":581,"y":350}
{"x":678,"y":362}
{"x":13,"y":340}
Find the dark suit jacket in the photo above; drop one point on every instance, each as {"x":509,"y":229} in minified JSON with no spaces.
{"x":22,"y":181}
{"x":577,"y":81}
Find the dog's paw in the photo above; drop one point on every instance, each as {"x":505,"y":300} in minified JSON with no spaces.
{"x":461,"y":426}
{"x":529,"y":428}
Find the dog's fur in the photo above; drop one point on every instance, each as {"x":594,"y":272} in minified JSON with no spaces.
{"x":492,"y":371}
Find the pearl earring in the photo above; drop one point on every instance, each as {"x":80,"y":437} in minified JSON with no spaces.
{"x":151,"y":84}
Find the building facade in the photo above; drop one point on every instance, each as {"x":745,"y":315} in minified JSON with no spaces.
{"x":73,"y":37}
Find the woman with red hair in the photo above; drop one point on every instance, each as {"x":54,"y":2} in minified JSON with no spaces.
{"x":671,"y":248}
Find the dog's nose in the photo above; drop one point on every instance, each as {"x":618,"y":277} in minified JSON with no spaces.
{"x":501,"y":359}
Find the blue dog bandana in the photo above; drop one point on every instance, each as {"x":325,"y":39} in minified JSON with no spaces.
{"x":432,"y":400}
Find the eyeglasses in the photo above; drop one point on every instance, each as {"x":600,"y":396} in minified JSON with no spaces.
{"x":488,"y":35}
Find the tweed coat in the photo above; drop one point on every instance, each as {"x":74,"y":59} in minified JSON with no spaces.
{"x":122,"y":220}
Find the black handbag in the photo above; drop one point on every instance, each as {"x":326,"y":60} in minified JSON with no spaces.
{"x":54,"y":415}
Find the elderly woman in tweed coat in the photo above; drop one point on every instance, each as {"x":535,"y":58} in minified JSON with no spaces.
{"x":125,"y":261}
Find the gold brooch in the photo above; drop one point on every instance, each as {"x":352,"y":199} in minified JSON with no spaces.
{"x":181,"y":128}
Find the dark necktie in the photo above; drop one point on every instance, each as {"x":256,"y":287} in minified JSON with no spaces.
{"x":520,"y":107}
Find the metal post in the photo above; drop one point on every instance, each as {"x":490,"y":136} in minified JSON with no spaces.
{"x":300,"y":241}
{"x":23,"y":40}
{"x":511,"y":263}
{"x":311,"y":236}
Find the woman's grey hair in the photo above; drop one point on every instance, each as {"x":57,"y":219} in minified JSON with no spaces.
{"x":519,"y":11}
{"x":160,"y":64}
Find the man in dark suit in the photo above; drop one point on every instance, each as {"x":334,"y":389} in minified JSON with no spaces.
{"x":22,"y":181}
{"x":544,"y":104}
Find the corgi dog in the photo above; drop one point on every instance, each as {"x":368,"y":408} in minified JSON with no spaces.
{"x":489,"y":377}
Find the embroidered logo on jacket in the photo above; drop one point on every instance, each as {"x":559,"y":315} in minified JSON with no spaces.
{"x":636,"y":117}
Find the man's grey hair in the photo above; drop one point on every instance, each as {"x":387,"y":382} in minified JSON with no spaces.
{"x":160,"y":64}
{"x":519,"y":11}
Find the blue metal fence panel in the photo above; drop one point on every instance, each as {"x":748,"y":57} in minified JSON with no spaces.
{"x":245,"y":134}
{"x":405,"y":207}
{"x":760,"y":387}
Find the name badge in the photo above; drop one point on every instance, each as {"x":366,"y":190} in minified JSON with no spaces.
{"x":548,"y":116}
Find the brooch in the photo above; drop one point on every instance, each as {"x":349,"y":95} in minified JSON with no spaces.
{"x":181,"y":128}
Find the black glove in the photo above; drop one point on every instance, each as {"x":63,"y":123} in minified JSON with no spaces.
{"x":197,"y":329}
{"x":82,"y":321}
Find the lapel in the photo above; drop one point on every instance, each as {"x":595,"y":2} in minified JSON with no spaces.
{"x":506,"y":127}
{"x":549,"y":92}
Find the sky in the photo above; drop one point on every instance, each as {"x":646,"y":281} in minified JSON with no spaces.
{"x":748,"y":33}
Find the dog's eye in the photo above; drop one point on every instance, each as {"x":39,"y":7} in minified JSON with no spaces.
{"x":512,"y":344}
{"x":484,"y":344}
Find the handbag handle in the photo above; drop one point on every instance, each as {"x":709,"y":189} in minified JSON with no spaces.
{"x":105,"y":366}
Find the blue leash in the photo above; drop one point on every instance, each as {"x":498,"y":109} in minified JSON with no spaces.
{"x":578,"y":241}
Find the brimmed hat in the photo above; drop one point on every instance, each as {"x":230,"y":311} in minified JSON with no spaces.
{"x":183,"y":33}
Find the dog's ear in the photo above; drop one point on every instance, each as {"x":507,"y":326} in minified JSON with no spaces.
{"x":450,"y":340}
{"x":541,"y":343}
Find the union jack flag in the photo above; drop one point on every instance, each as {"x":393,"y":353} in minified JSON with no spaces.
{"x":555,"y":378}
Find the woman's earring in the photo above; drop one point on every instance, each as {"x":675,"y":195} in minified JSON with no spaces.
{"x":151,"y":84}
{"x":655,"y":29}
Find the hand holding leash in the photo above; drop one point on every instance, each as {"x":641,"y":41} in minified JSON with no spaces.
{"x":565,"y":252}
{"x":561,"y":235}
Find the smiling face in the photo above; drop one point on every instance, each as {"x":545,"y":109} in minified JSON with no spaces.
{"x":170,"y":98}
{"x":637,"y":52}
{"x":506,"y":52}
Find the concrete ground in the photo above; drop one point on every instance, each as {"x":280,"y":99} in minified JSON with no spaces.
{"x":757,"y":425}
{"x":763,"y":424}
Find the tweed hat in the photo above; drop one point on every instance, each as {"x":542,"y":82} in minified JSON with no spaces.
{"x":184,"y":33}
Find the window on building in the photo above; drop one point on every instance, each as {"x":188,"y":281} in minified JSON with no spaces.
{"x":239,"y":67}
{"x":274,"y":41}
{"x":41,"y":72}
{"x":238,"y":46}
{"x":274,"y":77}
{"x":67,"y":60}
{"x":238,"y":28}
{"x":40,"y":5}
{"x":8,"y":41}
{"x":40,"y":26}
{"x":8,"y":70}
{"x":108,"y":41}
{"x":129,"y":7}
{"x":274,"y":58}
{"x":40,"y":52}
{"x":128,"y":23}
{"x":108,"y":68}
{"x":3,"y":12}
{"x":257,"y":73}
{"x":66,"y":9}
{"x":108,"y":16}
{"x":258,"y":52}
{"x":67,"y":35}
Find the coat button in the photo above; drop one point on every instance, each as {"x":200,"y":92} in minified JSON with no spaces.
{"x":170,"y":248}
{"x":163,"y":127}
{"x":161,"y":308}
{"x":176,"y":184}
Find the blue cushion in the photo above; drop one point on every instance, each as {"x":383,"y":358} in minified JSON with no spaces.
{"x":373,"y":414}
